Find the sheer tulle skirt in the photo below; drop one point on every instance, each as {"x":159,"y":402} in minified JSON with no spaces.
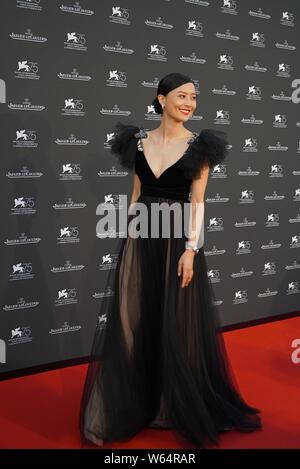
{"x":158,"y":358}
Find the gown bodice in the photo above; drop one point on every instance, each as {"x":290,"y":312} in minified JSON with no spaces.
{"x":208,"y":147}
{"x":170,"y":183}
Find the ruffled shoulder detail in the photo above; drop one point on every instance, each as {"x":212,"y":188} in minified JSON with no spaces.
{"x":210,"y":147}
{"x":124,"y":144}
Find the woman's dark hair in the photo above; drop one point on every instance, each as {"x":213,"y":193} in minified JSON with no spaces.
{"x":169,"y":83}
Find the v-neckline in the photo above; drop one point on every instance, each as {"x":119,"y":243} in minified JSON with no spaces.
{"x":190,"y":141}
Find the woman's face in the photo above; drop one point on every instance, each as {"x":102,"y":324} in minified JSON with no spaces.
{"x":180,"y":103}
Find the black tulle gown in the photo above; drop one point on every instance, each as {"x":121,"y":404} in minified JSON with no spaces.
{"x":158,"y":358}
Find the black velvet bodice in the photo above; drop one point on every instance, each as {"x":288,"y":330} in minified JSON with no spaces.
{"x":171,"y":184}
{"x":207,"y":148}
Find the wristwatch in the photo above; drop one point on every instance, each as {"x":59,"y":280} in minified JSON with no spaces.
{"x":190,"y":246}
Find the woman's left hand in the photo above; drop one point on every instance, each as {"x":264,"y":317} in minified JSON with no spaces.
{"x":185,"y":267}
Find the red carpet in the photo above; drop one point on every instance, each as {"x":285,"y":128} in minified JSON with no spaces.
{"x":41,"y":410}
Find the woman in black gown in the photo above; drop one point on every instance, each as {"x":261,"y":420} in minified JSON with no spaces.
{"x":158,"y":358}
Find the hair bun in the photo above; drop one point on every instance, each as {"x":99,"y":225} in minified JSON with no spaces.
{"x":157,"y":106}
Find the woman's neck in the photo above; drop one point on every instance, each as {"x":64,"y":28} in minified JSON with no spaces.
{"x":170,"y":130}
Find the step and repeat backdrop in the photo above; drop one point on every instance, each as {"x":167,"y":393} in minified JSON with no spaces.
{"x":70,"y":71}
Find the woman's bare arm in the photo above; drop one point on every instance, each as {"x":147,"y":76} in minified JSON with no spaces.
{"x":136,"y":190}
{"x":195,"y":236}
{"x":198,"y":187}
